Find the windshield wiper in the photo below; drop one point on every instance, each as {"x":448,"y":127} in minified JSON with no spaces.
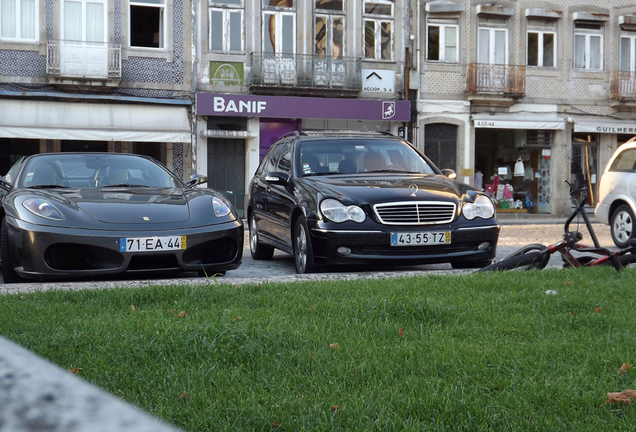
{"x":125,"y":185}
{"x":46,"y":186}
{"x":392,"y":171}
{"x":320,"y":174}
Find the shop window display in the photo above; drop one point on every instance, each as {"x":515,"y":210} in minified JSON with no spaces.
{"x":520,"y":178}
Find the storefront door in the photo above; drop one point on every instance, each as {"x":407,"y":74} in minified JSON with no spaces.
{"x":585,"y":169}
{"x":440,"y":144}
{"x":226,"y":170}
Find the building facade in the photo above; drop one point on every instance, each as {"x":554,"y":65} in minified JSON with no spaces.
{"x":547,"y":84}
{"x":543,"y":90}
{"x":96,"y":75}
{"x":268,"y":67}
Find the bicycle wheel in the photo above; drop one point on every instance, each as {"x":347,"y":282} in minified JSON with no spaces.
{"x":530,"y":248}
{"x":525,"y":261}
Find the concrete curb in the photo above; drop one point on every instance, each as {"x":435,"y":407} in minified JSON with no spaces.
{"x":36,"y":395}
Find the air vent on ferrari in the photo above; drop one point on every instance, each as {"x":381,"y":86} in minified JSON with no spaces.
{"x":415,"y":213}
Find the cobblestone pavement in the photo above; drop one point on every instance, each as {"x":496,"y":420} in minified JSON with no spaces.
{"x":281,"y":267}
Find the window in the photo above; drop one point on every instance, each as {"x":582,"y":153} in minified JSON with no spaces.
{"x":279,"y":27}
{"x":378,"y":30}
{"x":84,"y":20}
{"x":19,"y":20}
{"x":493,"y":40}
{"x":442,"y":40}
{"x":541,"y":42}
{"x":226,"y":26}
{"x":329,"y":30}
{"x":588,"y":45}
{"x":625,"y":161}
{"x":147,"y":23}
{"x":628,"y":52}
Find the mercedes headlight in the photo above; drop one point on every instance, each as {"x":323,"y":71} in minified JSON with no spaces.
{"x":482,"y":207}
{"x":338,"y":212}
{"x":43,"y":208}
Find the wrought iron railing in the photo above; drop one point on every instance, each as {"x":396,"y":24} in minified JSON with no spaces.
{"x":496,"y":79}
{"x":302,"y":70}
{"x":623,"y":85}
{"x":81,"y":59}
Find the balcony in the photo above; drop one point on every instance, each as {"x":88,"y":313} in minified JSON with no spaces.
{"x":307,"y":75}
{"x":623,"y":88}
{"x":83,"y":64}
{"x":495,"y":82}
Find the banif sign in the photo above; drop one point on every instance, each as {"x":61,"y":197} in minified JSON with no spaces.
{"x":214,"y":104}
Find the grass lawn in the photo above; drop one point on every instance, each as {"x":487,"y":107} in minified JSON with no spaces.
{"x":462,"y":352}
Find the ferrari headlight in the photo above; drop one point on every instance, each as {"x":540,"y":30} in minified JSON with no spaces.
{"x":43,"y":208}
{"x":338,"y":212}
{"x":221,"y":208}
{"x":482,"y":207}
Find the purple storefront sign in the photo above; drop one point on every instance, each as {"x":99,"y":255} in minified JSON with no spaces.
{"x":301,"y":107}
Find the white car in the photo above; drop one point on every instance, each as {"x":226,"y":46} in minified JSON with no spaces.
{"x":617,"y":194}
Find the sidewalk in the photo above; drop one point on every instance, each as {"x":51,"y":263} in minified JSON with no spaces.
{"x":536,"y":219}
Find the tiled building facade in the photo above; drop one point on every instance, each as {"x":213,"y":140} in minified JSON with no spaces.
{"x":122,"y":85}
{"x":547,"y":83}
{"x":208,"y":86}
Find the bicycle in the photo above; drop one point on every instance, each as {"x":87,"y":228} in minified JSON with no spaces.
{"x":537,"y":256}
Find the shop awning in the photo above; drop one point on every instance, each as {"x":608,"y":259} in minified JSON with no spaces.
{"x":518,"y":121}
{"x":605,"y":126}
{"x":93,"y":121}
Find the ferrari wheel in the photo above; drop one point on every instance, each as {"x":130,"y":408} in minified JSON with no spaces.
{"x":259,"y":250}
{"x":303,"y":254}
{"x":9,"y":275}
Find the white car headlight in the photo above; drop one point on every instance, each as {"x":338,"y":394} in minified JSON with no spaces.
{"x":43,"y":208}
{"x":338,"y":212}
{"x":481,"y":208}
{"x":221,"y":208}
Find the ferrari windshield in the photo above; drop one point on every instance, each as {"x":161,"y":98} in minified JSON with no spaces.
{"x":99,"y":170}
{"x":352,"y":156}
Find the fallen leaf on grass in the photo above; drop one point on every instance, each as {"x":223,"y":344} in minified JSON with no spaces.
{"x":624,"y":368}
{"x":334,"y":345}
{"x":132,"y":306}
{"x":567,"y":283}
{"x":598,"y":309}
{"x":183,"y":395}
{"x":624,"y":396}
{"x":335,"y":407}
{"x":237,"y":318}
{"x":21,"y":297}
{"x":401,"y":332}
{"x":75,"y":371}
{"x":276,"y":424}
{"x":182,"y":314}
{"x":171,"y":311}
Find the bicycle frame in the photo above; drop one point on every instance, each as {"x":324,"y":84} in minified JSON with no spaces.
{"x":571,"y":239}
{"x":537,"y":256}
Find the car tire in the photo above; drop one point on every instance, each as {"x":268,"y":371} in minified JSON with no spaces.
{"x":303,"y":252}
{"x":471,"y":264}
{"x":622,"y":226}
{"x":9,"y":275}
{"x":258,"y":250}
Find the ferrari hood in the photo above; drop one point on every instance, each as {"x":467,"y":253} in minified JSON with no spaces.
{"x":373,"y":188}
{"x":132,"y":206}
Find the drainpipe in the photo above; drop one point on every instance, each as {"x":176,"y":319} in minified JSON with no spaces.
{"x":193,"y":85}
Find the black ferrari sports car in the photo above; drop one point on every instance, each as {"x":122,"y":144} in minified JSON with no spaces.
{"x":365,"y":198}
{"x":79,"y":215}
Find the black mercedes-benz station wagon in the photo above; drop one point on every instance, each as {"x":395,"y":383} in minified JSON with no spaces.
{"x":331,"y":198}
